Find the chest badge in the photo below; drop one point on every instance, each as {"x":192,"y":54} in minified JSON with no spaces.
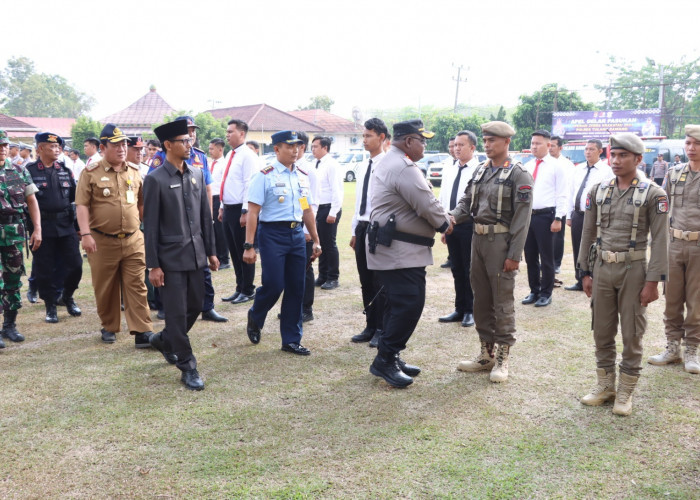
{"x":281,"y":199}
{"x":194,"y":181}
{"x":103,"y":179}
{"x":106,"y":192}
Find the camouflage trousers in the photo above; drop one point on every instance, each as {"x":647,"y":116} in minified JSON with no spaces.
{"x":12,"y":270}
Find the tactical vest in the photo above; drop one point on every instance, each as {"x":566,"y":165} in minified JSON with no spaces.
{"x":12,"y":182}
{"x":604,"y":194}
{"x":506,"y":171}
{"x":677,"y":177}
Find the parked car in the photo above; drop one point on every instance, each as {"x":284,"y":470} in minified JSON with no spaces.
{"x":350,"y":161}
{"x":523,"y":157}
{"x":432,"y":161}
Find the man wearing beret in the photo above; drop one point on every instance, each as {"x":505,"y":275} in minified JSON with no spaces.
{"x":179,"y":245}
{"x":404,"y":219}
{"x":499,"y":200}
{"x":620,"y":215}
{"x":109,"y":201}
{"x":17,"y":195}
{"x":683,"y":287}
{"x":55,"y":196}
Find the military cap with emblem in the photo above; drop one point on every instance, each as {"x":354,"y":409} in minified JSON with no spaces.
{"x":3,"y":137}
{"x":190,"y":120}
{"x":135,"y":141}
{"x":497,"y":129}
{"x":112,"y":133}
{"x":24,"y":147}
{"x":627,"y":141}
{"x":693,"y":131}
{"x":412,"y":127}
{"x":286,"y":136}
{"x":49,"y":137}
{"x":172,"y":129}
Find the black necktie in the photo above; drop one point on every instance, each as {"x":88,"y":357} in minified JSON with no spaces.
{"x":363,"y":202}
{"x":317,"y":162}
{"x":577,"y":202}
{"x":455,"y":188}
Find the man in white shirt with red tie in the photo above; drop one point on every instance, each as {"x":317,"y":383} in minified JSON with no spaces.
{"x":586,"y":175}
{"x":91,"y":148}
{"x":217,"y":163}
{"x":241,"y":163}
{"x":556,"y":144}
{"x":459,"y":243}
{"x":330,"y":182}
{"x":549,"y":206}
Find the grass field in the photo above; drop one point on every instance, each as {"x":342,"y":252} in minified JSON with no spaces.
{"x":81,"y":419}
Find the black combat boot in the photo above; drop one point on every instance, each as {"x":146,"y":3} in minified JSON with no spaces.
{"x":51,"y":314}
{"x":386,"y":367}
{"x":71,"y":306}
{"x":9,"y":329}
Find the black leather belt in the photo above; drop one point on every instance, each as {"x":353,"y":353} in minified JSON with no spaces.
{"x":414,"y":238}
{"x":548,"y":210}
{"x":291,"y":224}
{"x":10,"y":219}
{"x":324,"y":205}
{"x":63,"y":214}
{"x":120,"y":236}
{"x":363,"y":224}
{"x":226,"y":205}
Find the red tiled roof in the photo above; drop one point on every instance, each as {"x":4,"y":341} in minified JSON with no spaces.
{"x":264,"y":118}
{"x":329,"y":122}
{"x":13,"y":124}
{"x":60,"y":126}
{"x":147,"y":111}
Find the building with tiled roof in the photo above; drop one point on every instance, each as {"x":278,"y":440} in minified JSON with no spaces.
{"x":18,"y":130}
{"x":60,"y":126}
{"x":345,"y":133}
{"x":140,"y":117}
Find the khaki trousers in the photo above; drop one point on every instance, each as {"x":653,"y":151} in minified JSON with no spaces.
{"x":683,"y":292}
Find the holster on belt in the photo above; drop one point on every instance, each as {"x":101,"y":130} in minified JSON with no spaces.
{"x":372,"y":236}
{"x":592,"y":257}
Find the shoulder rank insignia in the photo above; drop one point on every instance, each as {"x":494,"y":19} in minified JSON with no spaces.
{"x":267,"y":170}
{"x":302,"y":171}
{"x":93,"y":165}
{"x":132,"y":165}
{"x":198,"y":150}
{"x":661,"y":204}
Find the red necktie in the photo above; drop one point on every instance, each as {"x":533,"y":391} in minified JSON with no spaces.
{"x":89,"y":160}
{"x":537,"y":166}
{"x":212,"y":166}
{"x":223,"y":181}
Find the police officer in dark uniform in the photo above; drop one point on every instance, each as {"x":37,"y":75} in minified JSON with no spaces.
{"x":55,"y":196}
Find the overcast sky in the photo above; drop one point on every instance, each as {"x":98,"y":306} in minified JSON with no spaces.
{"x":367,"y":53}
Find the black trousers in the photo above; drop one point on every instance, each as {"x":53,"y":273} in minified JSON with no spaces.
{"x":369,"y":281}
{"x":309,"y":280}
{"x":459,"y":244}
{"x":235,"y":236}
{"x":220,"y":236}
{"x":405,"y":298}
{"x":559,"y":243}
{"x":329,"y":260}
{"x":539,"y":254}
{"x":45,"y":271}
{"x":182,"y":295}
{"x":576,"y":232}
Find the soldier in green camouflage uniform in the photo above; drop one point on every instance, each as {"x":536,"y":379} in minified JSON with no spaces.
{"x":16,"y":196}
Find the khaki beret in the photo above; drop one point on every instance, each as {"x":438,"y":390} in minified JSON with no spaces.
{"x":499,"y":129}
{"x":693,"y":131}
{"x":627,"y":141}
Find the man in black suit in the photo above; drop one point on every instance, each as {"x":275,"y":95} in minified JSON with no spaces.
{"x":179,"y":241}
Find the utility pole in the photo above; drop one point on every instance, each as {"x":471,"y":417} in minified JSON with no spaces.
{"x":661,"y":95}
{"x":214,"y":102}
{"x":458,"y":79}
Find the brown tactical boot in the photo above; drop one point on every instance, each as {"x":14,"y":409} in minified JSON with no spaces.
{"x":690,"y":358}
{"x":623,"y":401}
{"x":484,"y":361}
{"x":672,"y":354}
{"x":499,"y":373}
{"x":604,"y":389}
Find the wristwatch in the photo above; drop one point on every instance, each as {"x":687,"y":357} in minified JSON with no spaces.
{"x":557,"y":219}
{"x":247,"y":246}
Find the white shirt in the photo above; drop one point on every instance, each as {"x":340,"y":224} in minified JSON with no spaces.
{"x":93,"y":159}
{"x":302,"y":164}
{"x":361,"y":171}
{"x":330,"y":184}
{"x":243,"y":165}
{"x":77,"y":167}
{"x":550,"y":189}
{"x":449,"y":174}
{"x":601,"y":171}
{"x":217,"y":173}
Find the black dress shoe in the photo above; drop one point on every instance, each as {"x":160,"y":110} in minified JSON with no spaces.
{"x":295,"y":348}
{"x":319,"y":281}
{"x":108,"y":337}
{"x":231,"y":298}
{"x":10,"y":333}
{"x":32,"y":296}
{"x":531,"y":299}
{"x":375,"y":339}
{"x":364,"y":336}
{"x":252,"y":329}
{"x":51,"y":314}
{"x":453,"y":317}
{"x":157,"y":343}
{"x":226,"y":265}
{"x":192,"y":380}
{"x":212,"y":315}
{"x":468,"y":320}
{"x":307,"y":316}
{"x":71,"y":306}
{"x":2,"y":344}
{"x":330,"y":285}
{"x":576,"y":287}
{"x":242,"y":297}
{"x":447,"y":264}
{"x":410,"y":370}
{"x":388,"y":369}
{"x":161,"y":314}
{"x":141,"y":340}
{"x":557,"y":269}
{"x":543,"y":301}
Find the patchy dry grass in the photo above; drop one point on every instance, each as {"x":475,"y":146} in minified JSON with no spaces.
{"x":81,"y":419}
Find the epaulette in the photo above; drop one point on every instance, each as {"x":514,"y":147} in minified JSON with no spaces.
{"x":267,"y":170}
{"x":199,"y":150}
{"x":302,"y":171}
{"x":132,"y":165}
{"x":92,"y":166}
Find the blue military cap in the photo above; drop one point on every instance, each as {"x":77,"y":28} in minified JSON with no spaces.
{"x":49,"y":137}
{"x":286,"y":136}
{"x":112,"y":133}
{"x":190,"y":120}
{"x":172,"y":129}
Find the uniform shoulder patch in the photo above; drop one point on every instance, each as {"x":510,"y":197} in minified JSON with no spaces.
{"x":267,"y":170}
{"x":588,"y":201}
{"x":662,"y":204}
{"x":302,"y":171}
{"x":524,"y":192}
{"x":157,"y":162}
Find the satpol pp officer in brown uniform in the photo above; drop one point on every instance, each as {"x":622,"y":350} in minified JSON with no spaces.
{"x":683,"y":288}
{"x":405,"y":216}
{"x":620,"y":214}
{"x":109,"y":201}
{"x":499,"y":198}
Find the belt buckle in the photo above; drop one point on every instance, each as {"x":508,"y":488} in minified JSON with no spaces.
{"x":293,"y":225}
{"x":685,"y":235}
{"x":121,"y":236}
{"x":612,"y":258}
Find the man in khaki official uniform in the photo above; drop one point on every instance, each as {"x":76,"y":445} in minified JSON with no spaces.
{"x":499,"y":199}
{"x":620,"y":215}
{"x":683,"y":288}
{"x":109,"y":200}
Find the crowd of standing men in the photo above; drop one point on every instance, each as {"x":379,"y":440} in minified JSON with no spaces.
{"x":170,"y":220}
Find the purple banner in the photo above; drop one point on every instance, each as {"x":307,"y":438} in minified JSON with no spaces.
{"x":582,"y":125}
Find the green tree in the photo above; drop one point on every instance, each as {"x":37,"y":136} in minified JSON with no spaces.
{"x":447,"y":126}
{"x":500,"y":115}
{"x":320,"y":102}
{"x":535,"y":111}
{"x":83,"y":128}
{"x":27,"y":93}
